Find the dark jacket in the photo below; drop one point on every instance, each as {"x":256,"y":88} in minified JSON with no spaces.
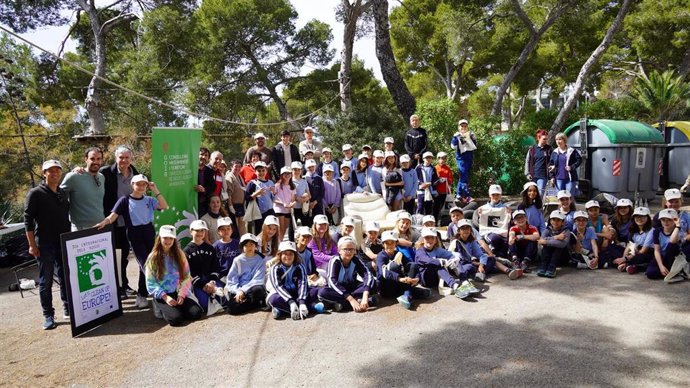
{"x":416,"y":141}
{"x":110,"y":185}
{"x":278,"y":158}
{"x":573,"y":159}
{"x":529,"y":162}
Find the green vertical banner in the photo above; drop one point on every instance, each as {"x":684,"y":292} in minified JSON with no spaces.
{"x":174,"y":168}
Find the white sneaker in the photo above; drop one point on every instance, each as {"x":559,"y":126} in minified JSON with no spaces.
{"x":582,"y":265}
{"x":141,"y":302}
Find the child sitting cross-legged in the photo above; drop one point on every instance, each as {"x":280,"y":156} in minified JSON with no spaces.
{"x":397,"y":274}
{"x":245,"y":283}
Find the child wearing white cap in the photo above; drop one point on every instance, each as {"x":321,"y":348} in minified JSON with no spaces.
{"x":673,"y":199}
{"x":285,"y":200}
{"x":522,"y":241}
{"x":619,"y":232}
{"x":302,"y":195}
{"x":397,"y":275}
{"x":371,"y":245}
{"x":361,"y":174}
{"x":428,"y":178}
{"x":585,"y":251}
{"x":532,"y":206}
{"x":322,"y":244}
{"x":288,"y":278}
{"x":168,"y":279}
{"x":667,"y":263}
{"x":410,"y":184}
{"x":639,"y":251}
{"x":261,"y":190}
{"x":600,"y":223}
{"x":407,"y":236}
{"x":346,"y":181}
{"x":493,"y":219}
{"x":464,"y":142}
{"x":392,"y":182}
{"x":331,"y":195}
{"x":554,"y":239}
{"x":327,"y":160}
{"x":246,"y":278}
{"x":268,"y":239}
{"x":204,"y":265}
{"x":566,"y":205}
{"x":302,"y":239}
{"x":227,"y":246}
{"x":376,"y":173}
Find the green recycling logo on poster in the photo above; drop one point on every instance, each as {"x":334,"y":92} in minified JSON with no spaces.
{"x":90,"y":270}
{"x":174,"y":168}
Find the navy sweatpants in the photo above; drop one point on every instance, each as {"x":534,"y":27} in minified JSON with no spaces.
{"x":141,"y":238}
{"x":254,"y":298}
{"x":327,"y":294}
{"x":667,"y":257}
{"x":276,"y":301}
{"x":524,"y":250}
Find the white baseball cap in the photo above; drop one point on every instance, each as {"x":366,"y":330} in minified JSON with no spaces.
{"x":320,"y":219}
{"x":427,"y":232}
{"x":345,"y":165}
{"x":303,"y":231}
{"x":346,"y":147}
{"x":563,"y":194}
{"x":348,"y":221}
{"x":296,"y":165}
{"x":519,"y":213}
{"x":441,"y":155}
{"x":363,"y":156}
{"x":308,"y":129}
{"x":388,"y":236}
{"x":641,"y":211}
{"x":388,"y":140}
{"x":287,"y":246}
{"x":404,"y":216}
{"x":198,"y":225}
{"x":591,"y":203}
{"x":259,"y":164}
{"x":464,"y":222}
{"x":623,"y":202}
{"x":455,"y":209}
{"x":527,"y":186}
{"x":580,"y":214}
{"x":310,"y":163}
{"x":427,"y":154}
{"x":167,"y":231}
{"x":405,"y":158}
{"x":285,"y":170}
{"x":271,"y":220}
{"x":327,"y":168}
{"x":556,"y":214}
{"x":372,"y":226}
{"x":326,"y":149}
{"x":378,"y":154}
{"x":224,"y":221}
{"x":462,"y":121}
{"x":428,"y":218}
{"x":366,"y":146}
{"x":495,"y":189}
{"x":139,"y":178}
{"x":668,"y":213}
{"x":672,"y":194}
{"x":51,"y":163}
{"x":388,"y":153}
{"x":248,"y":237}
{"x":259,"y":135}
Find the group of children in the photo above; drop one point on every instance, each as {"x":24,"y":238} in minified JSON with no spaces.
{"x":318,"y":271}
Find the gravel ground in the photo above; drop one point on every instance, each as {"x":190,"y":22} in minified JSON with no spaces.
{"x":584,"y":328}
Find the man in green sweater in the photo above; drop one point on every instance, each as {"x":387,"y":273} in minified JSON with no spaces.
{"x":85,"y":192}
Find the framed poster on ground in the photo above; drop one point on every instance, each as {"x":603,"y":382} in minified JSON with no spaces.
{"x":91,"y":276}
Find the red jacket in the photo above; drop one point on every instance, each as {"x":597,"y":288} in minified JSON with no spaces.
{"x":443,"y":171}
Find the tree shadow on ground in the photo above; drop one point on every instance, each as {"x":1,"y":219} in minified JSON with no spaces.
{"x":542,"y":351}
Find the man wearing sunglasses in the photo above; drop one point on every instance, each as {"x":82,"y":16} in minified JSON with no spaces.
{"x":85,"y":191}
{"x":46,"y":216}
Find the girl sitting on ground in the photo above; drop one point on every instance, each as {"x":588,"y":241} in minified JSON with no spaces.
{"x":227,"y":247}
{"x":289,"y":280}
{"x":303,"y":237}
{"x":371,"y":246}
{"x":437,"y":266}
{"x":322,"y":245}
{"x":268,"y":239}
{"x":667,"y":240}
{"x":407,"y":237}
{"x":639,"y":251}
{"x":554,"y":239}
{"x":600,"y":223}
{"x":470,"y":255}
{"x":203,"y":266}
{"x":168,"y":280}
{"x":246,"y":278}
{"x":585,"y":251}
{"x":618,"y":234}
{"x":532,"y":206}
{"x":522,"y":241}
{"x":566,"y":205}
{"x":398,"y":275}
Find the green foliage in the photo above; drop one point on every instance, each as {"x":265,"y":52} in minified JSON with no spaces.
{"x":663,"y":95}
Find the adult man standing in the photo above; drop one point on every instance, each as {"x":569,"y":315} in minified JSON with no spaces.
{"x":86,"y":191}
{"x":284,"y":153}
{"x":118,"y":183}
{"x":260,"y":147}
{"x":310,"y":144}
{"x":46,"y":216}
{"x":216,"y":160}
{"x":206,"y":184}
{"x":415,"y":141}
{"x":236,"y":189}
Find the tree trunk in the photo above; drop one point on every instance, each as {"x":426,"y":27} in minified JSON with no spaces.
{"x":535,"y":36}
{"x":93,"y":97}
{"x":587,"y":68}
{"x":351,"y":14}
{"x":384,"y":52}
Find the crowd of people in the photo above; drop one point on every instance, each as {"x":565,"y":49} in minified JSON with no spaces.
{"x":272,"y":235}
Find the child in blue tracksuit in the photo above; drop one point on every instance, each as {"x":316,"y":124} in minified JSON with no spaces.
{"x":436,"y":264}
{"x":667,"y":240}
{"x":410,"y":184}
{"x":227,"y":247}
{"x":640,"y":249}
{"x":302,"y":238}
{"x":343,"y":287}
{"x":289,"y":280}
{"x":470,"y":254}
{"x":426,"y":192}
{"x":555,"y":239}
{"x":262,"y":190}
{"x":203,"y":266}
{"x":246,"y":278}
{"x":396,"y":274}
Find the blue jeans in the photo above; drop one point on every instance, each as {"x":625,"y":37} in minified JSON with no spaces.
{"x":563,"y":184}
{"x":541,"y":185}
{"x":49,"y":262}
{"x":464,"y":162}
